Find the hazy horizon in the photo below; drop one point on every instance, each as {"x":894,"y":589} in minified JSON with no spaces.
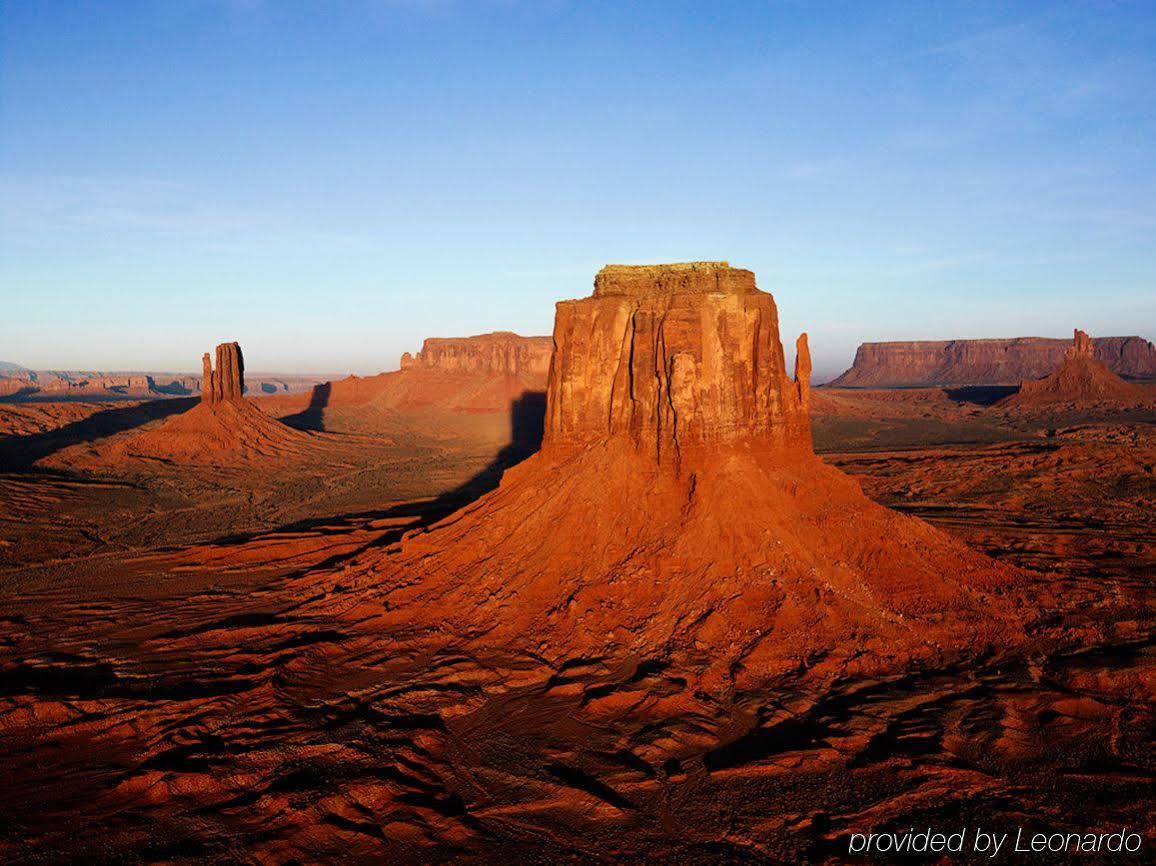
{"x":820,"y":373}
{"x":330,"y":184}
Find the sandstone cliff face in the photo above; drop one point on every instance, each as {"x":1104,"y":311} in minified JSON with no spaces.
{"x":500,"y":353}
{"x":673,"y":358}
{"x":985,"y":362}
{"x":227,"y":381}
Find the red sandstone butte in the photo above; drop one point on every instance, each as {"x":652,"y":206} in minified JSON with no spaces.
{"x":672,"y":357}
{"x":227,"y":381}
{"x":676,"y":507}
{"x":1079,"y":379}
{"x":223,"y":427}
{"x":985,"y":362}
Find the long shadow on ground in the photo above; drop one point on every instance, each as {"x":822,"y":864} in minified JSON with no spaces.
{"x":19,"y":453}
{"x":312,"y":417}
{"x":980,"y":395}
{"x":527,"y":423}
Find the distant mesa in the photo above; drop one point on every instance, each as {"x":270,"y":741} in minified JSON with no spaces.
{"x":677,"y":507}
{"x":76,"y":384}
{"x":486,"y":373}
{"x":1080,"y":379}
{"x":499,"y":353}
{"x":924,"y":364}
{"x":53,"y":385}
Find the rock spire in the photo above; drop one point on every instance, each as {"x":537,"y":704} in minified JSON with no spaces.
{"x":227,"y":381}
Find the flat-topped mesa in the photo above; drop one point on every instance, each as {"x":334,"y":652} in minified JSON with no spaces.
{"x":227,"y":381}
{"x":644,"y":281}
{"x":499,"y":353}
{"x":927,"y":363}
{"x":675,"y":359}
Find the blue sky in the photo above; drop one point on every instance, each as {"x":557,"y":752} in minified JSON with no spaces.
{"x":331,"y":182}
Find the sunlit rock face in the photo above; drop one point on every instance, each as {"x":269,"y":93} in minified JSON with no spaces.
{"x":676,"y":358}
{"x":500,"y":353}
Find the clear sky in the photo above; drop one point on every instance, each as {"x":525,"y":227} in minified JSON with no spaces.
{"x":330,"y":182}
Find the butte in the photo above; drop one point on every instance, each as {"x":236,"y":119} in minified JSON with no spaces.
{"x":1080,"y":379}
{"x":676,"y":510}
{"x":223,"y":427}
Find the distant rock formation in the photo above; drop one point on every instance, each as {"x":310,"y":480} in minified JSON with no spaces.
{"x":1080,"y":379}
{"x":501,"y":352}
{"x":676,"y":510}
{"x":222,"y":428}
{"x":143,"y":385}
{"x":803,"y":371}
{"x":985,"y":362}
{"x":227,"y":381}
{"x":487,"y":373}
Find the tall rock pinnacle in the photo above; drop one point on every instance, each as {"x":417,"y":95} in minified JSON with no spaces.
{"x":208,"y":395}
{"x":676,"y":358}
{"x":1081,"y":345}
{"x":227,"y":381}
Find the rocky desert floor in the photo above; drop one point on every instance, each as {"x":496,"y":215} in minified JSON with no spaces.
{"x":185,"y":675}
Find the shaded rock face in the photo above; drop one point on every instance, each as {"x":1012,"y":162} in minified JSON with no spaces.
{"x":227,"y":381}
{"x":674,"y":358}
{"x":500,"y":353}
{"x":986,"y":362}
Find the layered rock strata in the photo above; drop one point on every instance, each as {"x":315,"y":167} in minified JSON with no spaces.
{"x":489,"y":373}
{"x":673,"y":358}
{"x":500,"y":353}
